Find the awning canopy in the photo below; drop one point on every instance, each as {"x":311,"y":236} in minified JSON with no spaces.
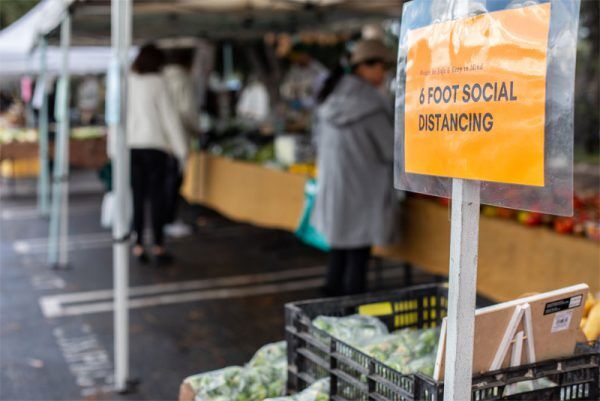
{"x":228,"y":19}
{"x":212,"y":19}
{"x":21,"y":36}
{"x":82,"y":60}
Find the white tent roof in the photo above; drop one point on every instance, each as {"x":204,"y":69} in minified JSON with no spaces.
{"x":198,"y":18}
{"x":82,"y":60}
{"x":228,"y":19}
{"x":21,"y":36}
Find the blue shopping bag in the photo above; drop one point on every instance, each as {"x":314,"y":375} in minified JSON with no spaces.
{"x":305,"y":231}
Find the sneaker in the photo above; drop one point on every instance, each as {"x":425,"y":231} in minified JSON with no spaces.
{"x":178,"y":229}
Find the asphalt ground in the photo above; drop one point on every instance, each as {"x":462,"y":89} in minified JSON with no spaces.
{"x":219,"y":301}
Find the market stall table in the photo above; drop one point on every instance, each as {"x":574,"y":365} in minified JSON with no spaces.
{"x":514,"y":259}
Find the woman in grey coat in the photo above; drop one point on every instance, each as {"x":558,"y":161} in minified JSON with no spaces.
{"x":354,"y":206}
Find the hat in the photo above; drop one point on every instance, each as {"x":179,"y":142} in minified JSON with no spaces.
{"x":370,"y":49}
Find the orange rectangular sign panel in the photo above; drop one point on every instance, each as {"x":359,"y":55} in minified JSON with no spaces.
{"x":475,"y":97}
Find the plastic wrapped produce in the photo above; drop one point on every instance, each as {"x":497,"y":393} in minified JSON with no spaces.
{"x":318,"y":391}
{"x":269,"y":354}
{"x":218,"y":385}
{"x":356,"y":330}
{"x":407,"y":351}
{"x":264,"y":376}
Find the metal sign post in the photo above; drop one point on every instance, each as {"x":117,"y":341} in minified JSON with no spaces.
{"x":59,"y":219}
{"x":464,"y":240}
{"x":44,"y":176}
{"x":462,"y":291}
{"x":117,"y":120}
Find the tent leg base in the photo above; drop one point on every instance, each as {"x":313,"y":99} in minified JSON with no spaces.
{"x":131,"y":387}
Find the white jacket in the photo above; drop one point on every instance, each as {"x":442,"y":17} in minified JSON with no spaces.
{"x":153,"y":121}
{"x":181,"y":88}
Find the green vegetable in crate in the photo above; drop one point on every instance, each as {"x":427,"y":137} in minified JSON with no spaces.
{"x":356,"y":330}
{"x":218,"y":385}
{"x":269,"y":354}
{"x":527,"y":386}
{"x":318,"y":391}
{"x":407,"y":351}
{"x":424,"y":365}
{"x":264,"y":376}
{"x":258,"y":383}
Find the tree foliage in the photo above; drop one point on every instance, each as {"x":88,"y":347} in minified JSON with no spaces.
{"x":12,"y":10}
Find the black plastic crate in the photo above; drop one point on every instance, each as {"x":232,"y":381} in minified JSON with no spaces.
{"x":309,"y":349}
{"x":355,"y":376}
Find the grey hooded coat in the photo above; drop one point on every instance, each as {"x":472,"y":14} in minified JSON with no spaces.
{"x":355,"y":202}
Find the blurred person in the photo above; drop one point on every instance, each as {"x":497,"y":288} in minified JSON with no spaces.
{"x":355,"y":201}
{"x":88,"y":99}
{"x":304,"y":78}
{"x":154,"y":132}
{"x":181,"y":89}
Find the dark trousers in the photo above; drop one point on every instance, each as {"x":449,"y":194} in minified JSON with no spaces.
{"x":173,"y":184}
{"x":347,"y":271}
{"x":148,"y":181}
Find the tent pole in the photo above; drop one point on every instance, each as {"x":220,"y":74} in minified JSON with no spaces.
{"x":59,"y":218}
{"x":121,"y":39}
{"x":43,"y":178}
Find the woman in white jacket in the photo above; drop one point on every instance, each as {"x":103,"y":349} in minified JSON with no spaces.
{"x":154,"y":131}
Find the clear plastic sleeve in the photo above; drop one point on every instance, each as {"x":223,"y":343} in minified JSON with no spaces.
{"x":556,"y":194}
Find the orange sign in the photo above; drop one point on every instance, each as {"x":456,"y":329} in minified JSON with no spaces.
{"x":475,"y":97}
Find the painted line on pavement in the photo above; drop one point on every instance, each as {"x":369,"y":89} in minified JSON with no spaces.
{"x":55,"y":305}
{"x":204,"y":295}
{"x":82,"y":303}
{"x":31,"y":212}
{"x":102,"y":240}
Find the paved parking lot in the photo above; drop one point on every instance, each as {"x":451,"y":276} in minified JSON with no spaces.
{"x":220,"y":301}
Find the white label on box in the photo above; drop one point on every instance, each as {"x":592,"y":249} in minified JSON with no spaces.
{"x":575,"y":301}
{"x":562,"y":321}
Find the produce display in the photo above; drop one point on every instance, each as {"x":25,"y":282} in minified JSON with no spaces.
{"x":590,"y":323}
{"x":222,"y":384}
{"x":88,"y":132}
{"x":585,"y":221}
{"x":407,"y":350}
{"x":318,"y":391}
{"x":263,"y":377}
{"x":19,"y":135}
{"x":356,"y":330}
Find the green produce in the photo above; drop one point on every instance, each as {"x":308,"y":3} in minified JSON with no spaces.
{"x":407,"y":351}
{"x":269,"y":354}
{"x":218,"y":385}
{"x":318,"y":391}
{"x":87,"y":132}
{"x":527,"y":386}
{"x":264,"y":376}
{"x":265,"y":154}
{"x":20,"y":135}
{"x":356,"y":330}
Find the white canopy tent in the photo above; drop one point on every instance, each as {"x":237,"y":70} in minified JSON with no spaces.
{"x":95,"y":22}
{"x":21,"y":37}
{"x":82,"y":60}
